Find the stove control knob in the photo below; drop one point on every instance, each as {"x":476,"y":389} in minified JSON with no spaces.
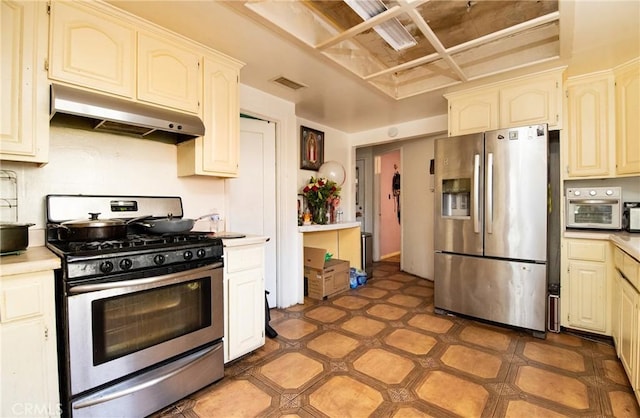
{"x":201,"y":253}
{"x":577,"y":193}
{"x":125,"y":264}
{"x":159,"y":259}
{"x":106,"y":267}
{"x":609,"y":192}
{"x":592,"y":192}
{"x":188,"y":255}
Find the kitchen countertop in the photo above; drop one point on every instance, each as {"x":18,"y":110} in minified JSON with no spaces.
{"x":328,"y":227}
{"x":629,"y":242}
{"x":32,"y":260}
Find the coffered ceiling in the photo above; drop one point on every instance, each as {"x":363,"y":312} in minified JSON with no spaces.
{"x":454,"y":41}
{"x":353,"y":81}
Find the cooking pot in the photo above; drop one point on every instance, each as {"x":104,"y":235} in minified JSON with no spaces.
{"x":94,"y":229}
{"x":14,"y":237}
{"x":169,"y":225}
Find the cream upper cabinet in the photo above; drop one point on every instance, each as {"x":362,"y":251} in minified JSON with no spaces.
{"x":534,"y":100}
{"x":28,"y":345}
{"x":590,"y":125}
{"x":521,"y":101}
{"x":587,"y":290}
{"x":24,"y":119}
{"x":217,"y":153}
{"x":168,"y":73}
{"x":97,"y":47}
{"x":91,"y":48}
{"x":627,"y":118}
{"x":473,"y":113}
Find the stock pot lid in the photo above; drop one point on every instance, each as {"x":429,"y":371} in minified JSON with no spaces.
{"x":93,"y":222}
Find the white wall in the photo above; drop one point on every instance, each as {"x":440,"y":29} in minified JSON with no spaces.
{"x":86,"y":162}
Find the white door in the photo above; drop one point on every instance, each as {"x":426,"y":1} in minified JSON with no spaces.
{"x":252,"y":195}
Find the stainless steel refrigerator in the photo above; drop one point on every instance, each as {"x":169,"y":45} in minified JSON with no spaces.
{"x":491,"y":226}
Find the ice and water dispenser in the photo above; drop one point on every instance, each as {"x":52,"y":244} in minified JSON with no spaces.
{"x":456,"y":197}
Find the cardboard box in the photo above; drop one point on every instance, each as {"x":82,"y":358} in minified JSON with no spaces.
{"x":324,"y":278}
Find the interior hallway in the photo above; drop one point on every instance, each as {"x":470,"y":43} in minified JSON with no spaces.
{"x":380,"y":351}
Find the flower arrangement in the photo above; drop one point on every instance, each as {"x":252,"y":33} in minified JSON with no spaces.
{"x":321,"y":194}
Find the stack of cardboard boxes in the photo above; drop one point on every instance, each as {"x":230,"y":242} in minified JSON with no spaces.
{"x":324,"y":278}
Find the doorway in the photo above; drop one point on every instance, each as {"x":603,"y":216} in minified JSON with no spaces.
{"x":389,"y":214}
{"x":252,"y":195}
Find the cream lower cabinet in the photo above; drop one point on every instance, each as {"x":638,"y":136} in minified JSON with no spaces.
{"x":626,"y":316}
{"x":28,"y":346}
{"x":587,"y":288}
{"x":217,"y":152}
{"x":244,"y":299}
{"x":24,"y":98}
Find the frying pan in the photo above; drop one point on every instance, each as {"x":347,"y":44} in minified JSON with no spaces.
{"x":169,"y":225}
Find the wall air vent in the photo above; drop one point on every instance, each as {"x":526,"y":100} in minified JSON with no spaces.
{"x":293,"y":85}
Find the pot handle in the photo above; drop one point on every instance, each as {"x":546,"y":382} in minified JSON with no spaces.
{"x":204,"y":217}
{"x":137,"y":219}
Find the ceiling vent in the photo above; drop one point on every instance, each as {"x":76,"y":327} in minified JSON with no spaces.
{"x":293,"y":85}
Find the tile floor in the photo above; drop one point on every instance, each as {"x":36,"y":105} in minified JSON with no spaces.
{"x":380,"y":351}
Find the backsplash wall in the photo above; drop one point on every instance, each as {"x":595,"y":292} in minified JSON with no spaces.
{"x":85,"y":162}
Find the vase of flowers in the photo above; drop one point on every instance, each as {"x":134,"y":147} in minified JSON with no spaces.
{"x":321,"y":194}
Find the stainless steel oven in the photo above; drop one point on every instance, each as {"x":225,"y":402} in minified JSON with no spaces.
{"x":140,"y":318}
{"x":594,"y":208}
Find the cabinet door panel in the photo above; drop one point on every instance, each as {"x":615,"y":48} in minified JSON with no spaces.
{"x":628,"y":327}
{"x":530,"y":102}
{"x":472,"y":114}
{"x":168,"y":74}
{"x":628,"y":122}
{"x":91,"y":50}
{"x":589,"y":128}
{"x":245,"y":312}
{"x":588,"y":296}
{"x":222,"y":118}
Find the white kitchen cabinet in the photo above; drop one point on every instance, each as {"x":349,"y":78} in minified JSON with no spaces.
{"x":24,"y":119}
{"x":28,"y":342}
{"x":168,"y":73}
{"x":590,"y":125}
{"x":627,"y":120}
{"x":587,"y":289}
{"x":92,"y":48}
{"x":527,"y":100}
{"x":217,"y":152}
{"x":244,"y":299}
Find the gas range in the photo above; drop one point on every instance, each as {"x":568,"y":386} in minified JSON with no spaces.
{"x":134,"y":256}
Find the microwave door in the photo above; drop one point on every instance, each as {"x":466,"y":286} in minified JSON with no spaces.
{"x":516,"y":193}
{"x":459,"y":170}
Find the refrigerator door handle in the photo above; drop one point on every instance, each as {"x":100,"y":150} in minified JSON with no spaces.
{"x":476,"y":186}
{"x":489,"y":197}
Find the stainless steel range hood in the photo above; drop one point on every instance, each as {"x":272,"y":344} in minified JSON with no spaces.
{"x":110,"y":114}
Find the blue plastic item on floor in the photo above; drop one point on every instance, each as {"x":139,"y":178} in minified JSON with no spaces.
{"x":357,"y":277}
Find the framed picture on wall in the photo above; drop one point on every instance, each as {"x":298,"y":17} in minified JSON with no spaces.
{"x":311,"y":148}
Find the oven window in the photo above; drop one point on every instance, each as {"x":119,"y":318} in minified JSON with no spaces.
{"x":593,"y":214}
{"x":125,"y":324}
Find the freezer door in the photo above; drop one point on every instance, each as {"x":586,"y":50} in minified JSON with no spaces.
{"x":516,"y":193}
{"x":459,"y":190}
{"x":507,"y":292}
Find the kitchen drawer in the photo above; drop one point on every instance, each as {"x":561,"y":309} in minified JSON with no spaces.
{"x":244,"y":258}
{"x":21,"y":298}
{"x":588,"y":250}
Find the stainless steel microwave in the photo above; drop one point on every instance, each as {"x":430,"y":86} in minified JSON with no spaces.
{"x":594,"y":208}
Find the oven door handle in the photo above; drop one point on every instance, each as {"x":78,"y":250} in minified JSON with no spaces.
{"x":594,"y":201}
{"x":144,"y":381}
{"x":167,"y":278}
